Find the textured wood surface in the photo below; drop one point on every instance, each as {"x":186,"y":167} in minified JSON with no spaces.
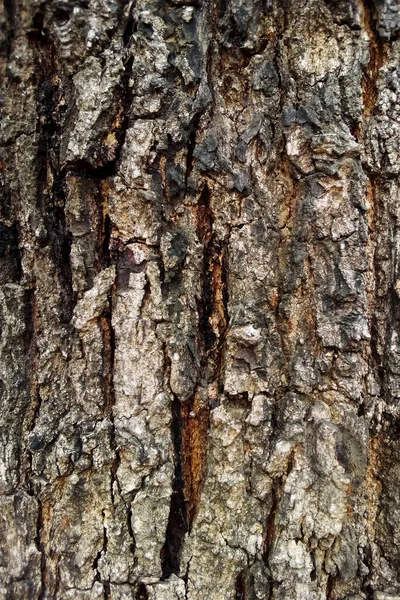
{"x":199,"y":294}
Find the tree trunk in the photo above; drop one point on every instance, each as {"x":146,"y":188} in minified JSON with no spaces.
{"x":200,"y":300}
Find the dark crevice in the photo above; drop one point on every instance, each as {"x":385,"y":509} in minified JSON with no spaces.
{"x":105,"y":249}
{"x":108,"y":357}
{"x":130,"y":28}
{"x":222,"y":7}
{"x":177,"y":520}
{"x":102,"y":552}
{"x":51,"y":197}
{"x":146,"y":294}
{"x":213,"y":304}
{"x":241,"y":399}
{"x":375,"y":352}
{"x":41,"y":548}
{"x":95,"y":566}
{"x":361,"y":411}
{"x":57,"y":578}
{"x":141,"y":592}
{"x":205,"y":217}
{"x":105,"y":537}
{"x":240,"y":587}
{"x":6,"y":207}
{"x":209,"y":69}
{"x":126,"y":97}
{"x":10,"y":254}
{"x":132,"y":545}
{"x":366,"y":583}
{"x":61,"y":16}
{"x":330,"y":587}
{"x":83,"y":168}
{"x":313,"y":573}
{"x":270,"y":529}
{"x":191,"y":145}
{"x":186,"y":579}
{"x":104,"y":254}
{"x":107,"y":590}
{"x":244,"y":586}
{"x":10,"y":11}
{"x":33,"y":388}
{"x":378,"y":54}
{"x":190,"y":419}
{"x":115,"y":464}
{"x":369,"y":593}
{"x":29,"y":329}
{"x":379,"y":344}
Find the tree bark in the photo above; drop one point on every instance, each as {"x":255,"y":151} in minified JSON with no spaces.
{"x":200,"y":299}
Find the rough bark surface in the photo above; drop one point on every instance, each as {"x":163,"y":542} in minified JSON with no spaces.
{"x":200,"y":300}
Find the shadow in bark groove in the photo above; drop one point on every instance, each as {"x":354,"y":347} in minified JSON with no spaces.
{"x":177,"y":520}
{"x":51,"y":196}
{"x":378,"y":55}
{"x":141,"y":592}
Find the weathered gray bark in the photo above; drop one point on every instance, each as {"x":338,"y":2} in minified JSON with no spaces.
{"x":200,"y":313}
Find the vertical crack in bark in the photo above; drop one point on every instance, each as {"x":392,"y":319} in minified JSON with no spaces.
{"x":40,"y":546}
{"x":105,"y":229}
{"x":213,"y":324}
{"x":128,"y":29}
{"x":10,"y":12}
{"x":244,"y":586}
{"x":195,"y":423}
{"x":373,"y":487}
{"x":287,"y":233}
{"x":132,"y":546}
{"x":240,"y":586}
{"x":103,"y":252}
{"x":186,"y":580}
{"x":109,"y":391}
{"x":35,"y":401}
{"x":108,"y":359}
{"x":102,"y":552}
{"x":213,"y":304}
{"x":378,"y":54}
{"x":141,"y":592}
{"x":106,"y":584}
{"x":377,"y":305}
{"x":270,"y":528}
{"x":312,"y":309}
{"x":177,"y":520}
{"x":376,"y":359}
{"x":191,"y":145}
{"x":330,"y":587}
{"x":51,"y":178}
{"x":190,"y":419}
